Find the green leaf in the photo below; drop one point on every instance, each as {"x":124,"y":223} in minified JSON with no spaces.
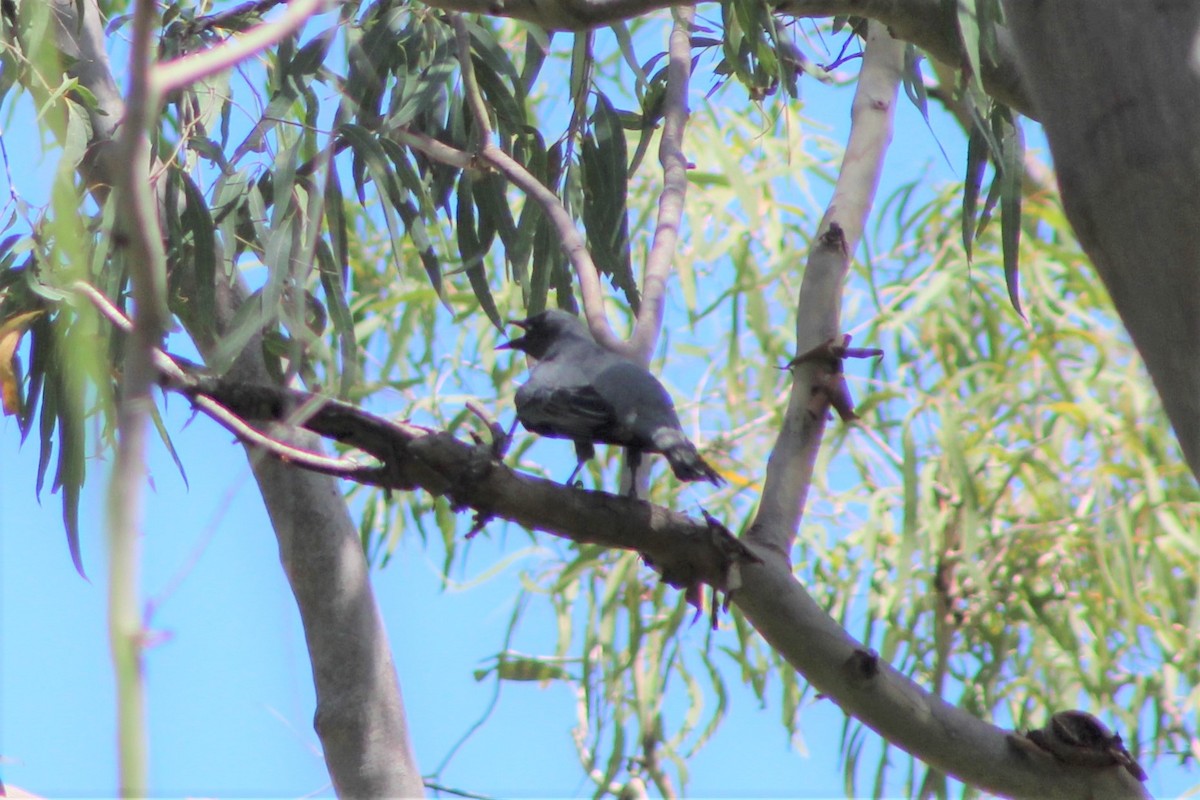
{"x":165,"y":437}
{"x":977,"y":157}
{"x":374,"y":158}
{"x":71,"y":452}
{"x":971,"y":18}
{"x":537,"y":47}
{"x":331,"y":273}
{"x":605,"y":190}
{"x":1011,"y":171}
{"x":199,"y":223}
{"x":473,"y":252}
{"x":311,"y":57}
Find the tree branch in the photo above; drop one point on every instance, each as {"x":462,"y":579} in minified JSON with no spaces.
{"x":674,"y":192}
{"x":931,"y":25}
{"x":868,"y":688}
{"x":789,"y":469}
{"x":188,"y":69}
{"x":1117,"y":89}
{"x":685,"y":551}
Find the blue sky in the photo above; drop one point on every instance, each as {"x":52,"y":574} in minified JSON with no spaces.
{"x":229,"y":686}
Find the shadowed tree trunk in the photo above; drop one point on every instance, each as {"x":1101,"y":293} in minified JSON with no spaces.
{"x":1119,"y":97}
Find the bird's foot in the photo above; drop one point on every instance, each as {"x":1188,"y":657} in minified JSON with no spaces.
{"x":500,"y":438}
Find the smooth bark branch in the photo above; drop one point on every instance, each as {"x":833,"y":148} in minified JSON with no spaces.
{"x":360,"y":715}
{"x":864,"y":686}
{"x":789,"y":469}
{"x":671,"y":200}
{"x":188,"y":69}
{"x":1120,"y":101}
{"x":943,"y":736}
{"x":138,"y":239}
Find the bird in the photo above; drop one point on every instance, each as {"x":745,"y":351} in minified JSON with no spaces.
{"x":581,"y":391}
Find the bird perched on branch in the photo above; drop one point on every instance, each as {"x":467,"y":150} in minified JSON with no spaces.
{"x":580,"y":391}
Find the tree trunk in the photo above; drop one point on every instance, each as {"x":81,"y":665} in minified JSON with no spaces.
{"x":360,"y":714}
{"x":1118,"y":93}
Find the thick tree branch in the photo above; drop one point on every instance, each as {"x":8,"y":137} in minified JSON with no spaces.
{"x":1118,"y":95}
{"x":687,"y":552}
{"x":931,"y":25}
{"x":945,"y":737}
{"x":837,"y":666}
{"x":789,"y":469}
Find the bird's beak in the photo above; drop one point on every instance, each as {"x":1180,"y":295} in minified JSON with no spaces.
{"x":514,"y":344}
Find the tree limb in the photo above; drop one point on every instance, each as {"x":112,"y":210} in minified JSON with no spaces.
{"x":674,"y":191}
{"x":789,"y":468}
{"x":931,"y":25}
{"x":1117,"y":90}
{"x":686,"y":552}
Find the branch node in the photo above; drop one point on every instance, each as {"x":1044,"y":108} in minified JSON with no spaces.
{"x":1077,"y":737}
{"x":863,"y":665}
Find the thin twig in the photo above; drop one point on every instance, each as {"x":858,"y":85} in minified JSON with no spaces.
{"x":479,"y":111}
{"x":190,"y":68}
{"x":345,"y":467}
{"x":162,"y":362}
{"x":438,"y":151}
{"x":572,"y":242}
{"x":229,"y":16}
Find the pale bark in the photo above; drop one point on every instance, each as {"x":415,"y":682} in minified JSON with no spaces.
{"x":838,"y":667}
{"x":1120,"y":101}
{"x":360,"y":715}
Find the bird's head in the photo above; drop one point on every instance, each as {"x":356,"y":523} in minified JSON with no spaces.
{"x":543,"y":330}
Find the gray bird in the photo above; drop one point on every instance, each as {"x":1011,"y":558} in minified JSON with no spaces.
{"x":580,"y":391}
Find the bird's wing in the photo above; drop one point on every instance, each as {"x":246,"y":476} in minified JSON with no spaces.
{"x":565,"y":412}
{"x":639,"y":401}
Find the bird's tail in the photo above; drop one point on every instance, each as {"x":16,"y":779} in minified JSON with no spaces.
{"x":685,"y":460}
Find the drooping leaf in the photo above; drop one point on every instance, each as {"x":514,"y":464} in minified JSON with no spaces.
{"x":977,"y":158}
{"x":473,"y":250}
{"x":165,"y":437}
{"x":70,"y":473}
{"x":605,"y":190}
{"x":11,"y":331}
{"x":331,"y":274}
{"x":199,"y":223}
{"x":371,"y":154}
{"x":1010,"y":174}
